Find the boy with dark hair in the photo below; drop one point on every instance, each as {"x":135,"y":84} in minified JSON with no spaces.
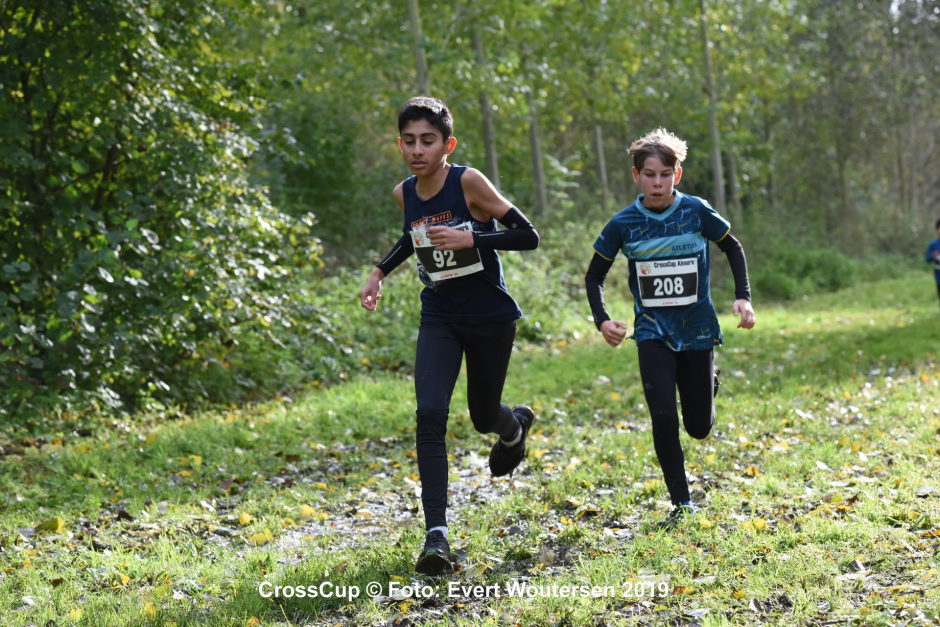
{"x":933,"y":255}
{"x":450,"y":215}
{"x":665,"y":235}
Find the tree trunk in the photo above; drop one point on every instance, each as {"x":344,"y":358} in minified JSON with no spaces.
{"x":737,"y":214}
{"x":424,"y":81}
{"x":538,"y":171}
{"x":718,"y":174}
{"x":601,"y":164}
{"x":489,"y":140}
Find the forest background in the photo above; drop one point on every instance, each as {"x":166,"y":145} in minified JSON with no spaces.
{"x":191,"y":192}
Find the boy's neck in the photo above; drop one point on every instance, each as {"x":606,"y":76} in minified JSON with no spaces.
{"x":672,"y":199}
{"x":431,"y":183}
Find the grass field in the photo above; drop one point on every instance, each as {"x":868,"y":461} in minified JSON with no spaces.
{"x":821,"y":486}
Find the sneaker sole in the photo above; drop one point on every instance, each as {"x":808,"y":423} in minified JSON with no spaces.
{"x":433,"y":565}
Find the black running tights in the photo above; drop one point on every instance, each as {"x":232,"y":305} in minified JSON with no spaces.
{"x":441,"y":347}
{"x":662,"y":371}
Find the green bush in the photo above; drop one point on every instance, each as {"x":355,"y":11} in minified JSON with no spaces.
{"x":132,"y":248}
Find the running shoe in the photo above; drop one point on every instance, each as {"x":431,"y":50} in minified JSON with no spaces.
{"x":505,"y":459}
{"x":675,"y":517}
{"x":435,"y":558}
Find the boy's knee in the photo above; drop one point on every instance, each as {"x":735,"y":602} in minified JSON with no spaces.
{"x":700,"y":433}
{"x":484,"y":416}
{"x":700,"y":427}
{"x":431,"y":419}
{"x":665,"y":424}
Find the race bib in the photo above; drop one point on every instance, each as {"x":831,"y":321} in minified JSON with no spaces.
{"x":936,"y":263}
{"x":668,"y":282}
{"x":445,"y":264}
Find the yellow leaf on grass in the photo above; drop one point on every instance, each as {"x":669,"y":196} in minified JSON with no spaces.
{"x":196,"y":460}
{"x":738,"y":594}
{"x":759,"y":523}
{"x":151,"y":437}
{"x":252,"y":622}
{"x":53,"y":525}
{"x":751,"y":471}
{"x":710,"y":458}
{"x":614,"y":397}
{"x":148,"y":610}
{"x":75,"y":614}
{"x":259,"y":539}
{"x":320,"y":486}
{"x":245,"y":519}
{"x":186,"y":473}
{"x":706,"y":524}
{"x":307,"y":512}
{"x":124,"y":579}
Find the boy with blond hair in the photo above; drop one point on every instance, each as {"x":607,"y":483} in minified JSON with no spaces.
{"x":665,"y":235}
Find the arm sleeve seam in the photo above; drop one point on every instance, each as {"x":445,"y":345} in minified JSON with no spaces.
{"x":608,"y":258}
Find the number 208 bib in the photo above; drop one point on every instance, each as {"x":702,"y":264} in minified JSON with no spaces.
{"x":445,"y":264}
{"x":668,"y":282}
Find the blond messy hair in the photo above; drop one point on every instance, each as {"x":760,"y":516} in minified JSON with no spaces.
{"x":660,"y":143}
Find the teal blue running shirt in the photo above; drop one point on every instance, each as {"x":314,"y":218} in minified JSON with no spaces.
{"x":669,"y":269}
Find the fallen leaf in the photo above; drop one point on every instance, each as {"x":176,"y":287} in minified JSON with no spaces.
{"x":259,"y":539}
{"x":53,"y":525}
{"x":148,"y":610}
{"x":245,"y":519}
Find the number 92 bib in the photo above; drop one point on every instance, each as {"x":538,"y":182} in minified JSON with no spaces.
{"x":668,"y":282}
{"x":445,"y":264}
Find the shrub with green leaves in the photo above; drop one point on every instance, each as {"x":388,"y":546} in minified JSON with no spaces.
{"x":133,"y":250}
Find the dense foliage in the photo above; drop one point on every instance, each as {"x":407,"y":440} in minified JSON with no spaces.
{"x":133,"y":251}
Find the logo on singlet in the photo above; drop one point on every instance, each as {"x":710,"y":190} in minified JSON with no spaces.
{"x":432,"y":220}
{"x":645,"y":269}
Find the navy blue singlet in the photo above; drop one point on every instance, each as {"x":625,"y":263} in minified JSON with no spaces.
{"x":478,"y":297}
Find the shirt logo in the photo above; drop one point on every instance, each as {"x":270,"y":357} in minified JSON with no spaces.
{"x":432,"y":220}
{"x":644,"y":268}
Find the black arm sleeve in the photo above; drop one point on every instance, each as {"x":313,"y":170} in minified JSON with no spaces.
{"x":594,"y":282}
{"x":402,"y":249}
{"x":519,"y":234}
{"x":731,"y":247}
